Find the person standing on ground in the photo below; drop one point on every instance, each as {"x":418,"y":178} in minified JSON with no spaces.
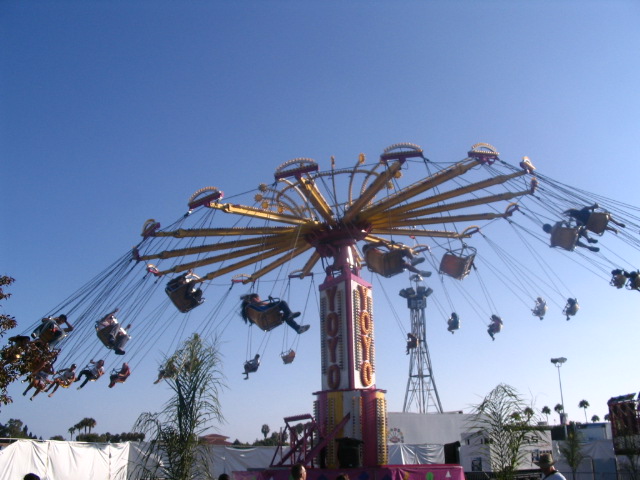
{"x":298,"y":472}
{"x":549,"y":472}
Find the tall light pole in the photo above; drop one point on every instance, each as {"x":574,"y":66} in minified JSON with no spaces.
{"x":558,"y":363}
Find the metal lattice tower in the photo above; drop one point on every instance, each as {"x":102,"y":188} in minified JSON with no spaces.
{"x":421,"y":395}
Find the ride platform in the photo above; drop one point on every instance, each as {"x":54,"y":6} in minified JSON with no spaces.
{"x":383,"y":472}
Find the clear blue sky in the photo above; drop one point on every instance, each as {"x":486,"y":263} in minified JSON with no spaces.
{"x":116,"y":112}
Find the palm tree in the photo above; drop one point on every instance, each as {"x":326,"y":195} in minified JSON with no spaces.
{"x":546,"y":411}
{"x":595,"y":418}
{"x":571,"y":450}
{"x":606,"y":417}
{"x":91,"y":423}
{"x":499,"y":418}
{"x":80,"y":426}
{"x":584,"y":404}
{"x":265,"y":430}
{"x":559,"y":409}
{"x":72,"y":430}
{"x":174,"y":432}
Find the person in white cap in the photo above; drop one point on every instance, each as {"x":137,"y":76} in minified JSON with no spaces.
{"x":548,"y":470}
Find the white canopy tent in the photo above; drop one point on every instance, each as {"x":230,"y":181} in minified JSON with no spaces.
{"x":57,"y":460}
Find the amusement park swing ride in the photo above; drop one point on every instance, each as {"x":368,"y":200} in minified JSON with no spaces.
{"x":301,"y":226}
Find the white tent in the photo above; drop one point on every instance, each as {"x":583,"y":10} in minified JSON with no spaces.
{"x":53,"y":460}
{"x":57,"y":460}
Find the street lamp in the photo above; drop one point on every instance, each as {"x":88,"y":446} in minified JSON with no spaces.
{"x":558,"y":363}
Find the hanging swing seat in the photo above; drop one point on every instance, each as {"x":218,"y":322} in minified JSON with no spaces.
{"x":64,"y":382}
{"x":183,"y":293}
{"x":113,"y":336}
{"x":634,"y":281}
{"x":386,"y":264}
{"x":457,"y":264}
{"x":266,"y":319}
{"x":539,"y":311}
{"x":618,"y":280}
{"x":49,"y":333}
{"x":288,"y":357}
{"x":118,"y":377}
{"x":571,"y":309}
{"x":564,"y":236}
{"x":598,"y":222}
{"x":453,"y":324}
{"x":251,"y":366}
{"x":496,"y":325}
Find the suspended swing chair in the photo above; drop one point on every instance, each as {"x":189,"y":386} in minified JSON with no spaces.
{"x":62,"y":380}
{"x":595,"y":222}
{"x":119,"y":375}
{"x":453,"y":323}
{"x":112,"y":334}
{"x":266,"y":318}
{"x":288,"y":356}
{"x":540,"y":308}
{"x":618,"y":278}
{"x":386,"y":263}
{"x":458,"y":263}
{"x":571,"y":308}
{"x":49,"y":332}
{"x":598,"y":222}
{"x":564,"y":235}
{"x":495,"y":326}
{"x":396,"y":259}
{"x":634,"y":281}
{"x":183,"y":292}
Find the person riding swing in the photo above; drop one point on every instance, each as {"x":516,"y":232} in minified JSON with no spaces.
{"x":112,"y":334}
{"x":251,"y":366}
{"x":571,"y":308}
{"x":119,"y":376}
{"x":540,"y":308}
{"x":253,"y":308}
{"x":495,"y":326}
{"x":453,"y":323}
{"x":396,"y":259}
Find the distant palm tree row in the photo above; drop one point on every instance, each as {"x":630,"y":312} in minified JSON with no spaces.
{"x":559,"y":409}
{"x":84,"y":424}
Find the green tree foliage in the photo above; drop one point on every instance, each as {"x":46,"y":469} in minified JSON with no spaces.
{"x":87,"y":424}
{"x":571,"y":450}
{"x":546,"y":411}
{"x":559,"y":409}
{"x":274,"y":440}
{"x":265,"y":430}
{"x":584,"y":405}
{"x":7,"y":322}
{"x":21,"y":356}
{"x":595,"y":418}
{"x":14,"y":428}
{"x":506,"y":424}
{"x":174,"y":432}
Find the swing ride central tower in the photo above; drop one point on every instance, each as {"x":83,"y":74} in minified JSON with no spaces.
{"x":349,"y":408}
